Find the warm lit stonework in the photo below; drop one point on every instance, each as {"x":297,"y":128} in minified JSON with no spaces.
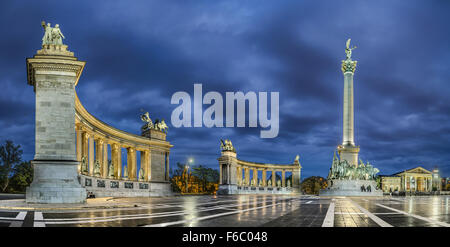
{"x":75,"y":152}
{"x":242,"y":177}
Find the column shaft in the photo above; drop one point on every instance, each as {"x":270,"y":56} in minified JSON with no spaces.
{"x":283,"y":178}
{"x":79,"y":148}
{"x":105,"y":160}
{"x":91,"y":156}
{"x":273,"y":178}
{"x":264,"y":177}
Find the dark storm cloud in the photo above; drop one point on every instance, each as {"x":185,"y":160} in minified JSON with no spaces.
{"x":139,"y":54}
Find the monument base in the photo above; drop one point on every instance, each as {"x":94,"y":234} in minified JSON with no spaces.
{"x":55,"y":182}
{"x":227,"y":189}
{"x":351,"y":188}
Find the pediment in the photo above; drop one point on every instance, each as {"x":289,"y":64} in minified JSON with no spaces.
{"x":417,"y":170}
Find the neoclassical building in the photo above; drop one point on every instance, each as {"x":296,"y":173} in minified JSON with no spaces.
{"x":76,"y":154}
{"x":245,"y":177}
{"x":416,"y":179}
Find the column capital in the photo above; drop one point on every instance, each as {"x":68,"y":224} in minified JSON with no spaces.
{"x":348,"y":66}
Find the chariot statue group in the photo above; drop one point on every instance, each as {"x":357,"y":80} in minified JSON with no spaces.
{"x":227,"y":145}
{"x":341,"y":169}
{"x":157,"y":125}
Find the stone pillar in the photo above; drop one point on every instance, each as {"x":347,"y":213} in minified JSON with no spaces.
{"x":264,"y":183}
{"x":99,"y":153}
{"x":247,"y":176}
{"x":228,"y":174}
{"x":220,"y":173}
{"x":167,"y":166}
{"x":296,"y":178}
{"x":105,"y":160}
{"x":348,"y":69}
{"x":79,"y":148}
{"x":283,"y":178}
{"x":131,"y":163}
{"x":85,"y":145}
{"x":348,"y":151}
{"x":91,"y":156}
{"x":274,"y":175}
{"x":116,"y":156}
{"x":54,"y":73}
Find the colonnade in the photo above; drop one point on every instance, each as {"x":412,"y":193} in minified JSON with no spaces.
{"x":99,"y":143}
{"x":236,"y":175}
{"x":94,"y":148}
{"x":245,"y":179}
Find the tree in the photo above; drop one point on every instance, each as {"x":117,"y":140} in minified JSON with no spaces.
{"x":312,"y":185}
{"x":202,"y":173}
{"x":22,"y":178}
{"x":10,"y":156}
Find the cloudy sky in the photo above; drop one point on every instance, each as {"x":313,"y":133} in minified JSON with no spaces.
{"x":139,"y":54}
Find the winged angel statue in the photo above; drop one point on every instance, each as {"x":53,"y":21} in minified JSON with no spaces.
{"x":348,"y":50}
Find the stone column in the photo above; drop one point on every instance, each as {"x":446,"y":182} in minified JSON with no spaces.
{"x":274,"y":184}
{"x":220,"y":173}
{"x":54,"y":72}
{"x":116,"y":156}
{"x":99,"y":153}
{"x":131,"y":163}
{"x":264,"y":183}
{"x":79,"y":148}
{"x":283,"y":178}
{"x":348,"y":68}
{"x":85,"y":145}
{"x":105,"y":160}
{"x":296,"y":178}
{"x":247,"y":176}
{"x":168,"y":167}
{"x":91,"y":156}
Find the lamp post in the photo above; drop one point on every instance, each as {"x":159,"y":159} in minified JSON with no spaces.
{"x":190,"y":161}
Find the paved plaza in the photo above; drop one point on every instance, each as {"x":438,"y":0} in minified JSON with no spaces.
{"x":237,"y":211}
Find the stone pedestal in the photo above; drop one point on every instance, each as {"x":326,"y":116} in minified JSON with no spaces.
{"x":53,"y":73}
{"x":227,"y":189}
{"x":339,"y":187}
{"x":349,"y":153}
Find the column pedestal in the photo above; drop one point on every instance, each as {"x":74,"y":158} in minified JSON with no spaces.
{"x":53,"y":73}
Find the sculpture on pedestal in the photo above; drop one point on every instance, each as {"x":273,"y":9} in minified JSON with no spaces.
{"x":110,"y":169}
{"x":346,"y":173}
{"x":141,"y":174}
{"x":52,"y":35}
{"x":97,"y":168}
{"x":226,"y":145}
{"x":157,"y":125}
{"x":84,"y":169}
{"x":125,"y":171}
{"x":269,"y":183}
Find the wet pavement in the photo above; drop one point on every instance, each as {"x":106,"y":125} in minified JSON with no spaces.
{"x":244,"y":211}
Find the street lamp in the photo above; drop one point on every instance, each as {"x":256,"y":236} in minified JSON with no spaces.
{"x":190,"y":161}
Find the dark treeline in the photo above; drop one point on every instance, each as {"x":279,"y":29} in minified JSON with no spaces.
{"x":15,"y":174}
